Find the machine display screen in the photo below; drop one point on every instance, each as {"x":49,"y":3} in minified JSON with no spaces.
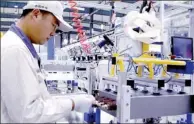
{"x":182,"y":47}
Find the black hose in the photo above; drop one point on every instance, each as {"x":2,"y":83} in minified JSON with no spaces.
{"x":143,"y":5}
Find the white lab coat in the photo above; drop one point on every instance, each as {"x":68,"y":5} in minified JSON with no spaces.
{"x":24,"y":96}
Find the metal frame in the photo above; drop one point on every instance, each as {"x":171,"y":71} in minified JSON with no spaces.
{"x":191,"y":34}
{"x":125,"y":104}
{"x":120,"y":100}
{"x":133,"y":106}
{"x":180,"y":82}
{"x":91,"y":78}
{"x":90,"y":73}
{"x":145,"y":82}
{"x":157,"y":106}
{"x":154,"y":106}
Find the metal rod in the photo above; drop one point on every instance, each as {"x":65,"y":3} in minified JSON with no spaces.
{"x":110,"y":79}
{"x":172,"y":3}
{"x":85,"y":17}
{"x":92,"y":36}
{"x":125,"y":49}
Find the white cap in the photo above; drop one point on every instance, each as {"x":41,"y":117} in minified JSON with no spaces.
{"x":54,"y":7}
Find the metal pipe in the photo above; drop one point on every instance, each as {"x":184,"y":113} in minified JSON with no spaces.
{"x":172,"y":3}
{"x":191,"y":34}
{"x":112,"y":14}
{"x":91,"y":21}
{"x":110,"y":79}
{"x":85,"y":17}
{"x":92,"y":36}
{"x":162,"y":18}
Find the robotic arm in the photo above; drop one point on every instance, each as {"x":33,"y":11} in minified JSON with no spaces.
{"x":143,"y":26}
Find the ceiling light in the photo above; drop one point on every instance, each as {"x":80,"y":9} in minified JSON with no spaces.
{"x":101,"y":26}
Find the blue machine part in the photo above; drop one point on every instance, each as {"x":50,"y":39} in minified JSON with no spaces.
{"x":74,"y":86}
{"x":97,"y":117}
{"x":101,"y":44}
{"x":48,"y":82}
{"x":92,"y":117}
{"x":187,"y":121}
{"x":69,"y":82}
{"x":69,"y":85}
{"x":189,"y":118}
{"x":89,"y":117}
{"x":73,"y":83}
{"x":187,"y":69}
{"x":52,"y":83}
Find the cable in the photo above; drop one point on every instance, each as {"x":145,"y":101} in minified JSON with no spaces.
{"x":142,"y":54}
{"x":78,"y":25}
{"x":125,"y":50}
{"x":131,"y":62}
{"x":143,"y":5}
{"x":167,"y":74}
{"x":156,"y":71}
{"x":152,"y":6}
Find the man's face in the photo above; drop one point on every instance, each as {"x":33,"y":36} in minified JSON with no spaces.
{"x":45,"y":27}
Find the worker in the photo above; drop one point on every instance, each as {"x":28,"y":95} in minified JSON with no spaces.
{"x":24,"y":95}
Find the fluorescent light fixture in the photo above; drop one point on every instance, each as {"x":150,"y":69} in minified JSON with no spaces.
{"x":178,"y":1}
{"x":16,"y":6}
{"x":101,"y":26}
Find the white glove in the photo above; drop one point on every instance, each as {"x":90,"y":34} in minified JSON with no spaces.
{"x":83,"y":102}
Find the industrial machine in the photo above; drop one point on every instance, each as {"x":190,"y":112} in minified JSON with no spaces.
{"x":138,"y":89}
{"x":158,"y":89}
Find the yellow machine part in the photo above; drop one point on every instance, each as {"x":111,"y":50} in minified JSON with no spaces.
{"x":112,"y":71}
{"x":147,"y":60}
{"x":145,"y":47}
{"x":119,"y":63}
{"x":1,"y":35}
{"x":158,"y":61}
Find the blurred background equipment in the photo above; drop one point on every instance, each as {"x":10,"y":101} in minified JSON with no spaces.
{"x":139,"y":65}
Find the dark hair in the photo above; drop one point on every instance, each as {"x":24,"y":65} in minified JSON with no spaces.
{"x":27,"y":11}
